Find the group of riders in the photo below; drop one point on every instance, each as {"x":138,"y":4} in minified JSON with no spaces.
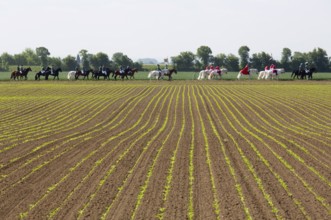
{"x":272,"y":68}
{"x":212,"y":68}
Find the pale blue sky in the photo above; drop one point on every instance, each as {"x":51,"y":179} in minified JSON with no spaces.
{"x":160,"y":29}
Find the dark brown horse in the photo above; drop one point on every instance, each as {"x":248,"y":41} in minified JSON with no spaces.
{"x":86,"y":74}
{"x":168,"y":73}
{"x":126,"y":73}
{"x":19,"y":75}
{"x":131,"y":73}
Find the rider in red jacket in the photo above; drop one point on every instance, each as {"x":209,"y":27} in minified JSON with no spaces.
{"x":245,"y":70}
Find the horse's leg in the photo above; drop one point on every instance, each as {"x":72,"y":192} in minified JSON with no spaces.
{"x":239,"y":75}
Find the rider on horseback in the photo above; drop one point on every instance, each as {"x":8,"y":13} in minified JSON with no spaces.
{"x":52,"y":68}
{"x":121,"y":70}
{"x":217,"y":68}
{"x":159,"y":69}
{"x":273,"y":68}
{"x":307,"y":67}
{"x":300,"y":67}
{"x":20,"y":69}
{"x":104,"y":72}
{"x":127,"y":69}
{"x":245,"y":70}
{"x":43,"y":70}
{"x":77,"y":69}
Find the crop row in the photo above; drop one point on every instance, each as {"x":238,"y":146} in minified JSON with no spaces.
{"x":167,"y":151}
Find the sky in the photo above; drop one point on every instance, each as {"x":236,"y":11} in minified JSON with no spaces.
{"x":161,"y":29}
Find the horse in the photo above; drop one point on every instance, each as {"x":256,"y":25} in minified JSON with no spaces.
{"x":166,"y":72}
{"x":71,"y":75}
{"x":131,"y":73}
{"x":97,"y":73}
{"x":297,"y":73}
{"x":261,"y":75}
{"x":273,"y":73}
{"x":18,"y":75}
{"x":308,"y":74}
{"x":124,"y":73}
{"x":55,"y":73}
{"x":43,"y":73}
{"x":203,"y":74}
{"x":86,"y":74}
{"x":218,"y":73}
{"x":250,"y":71}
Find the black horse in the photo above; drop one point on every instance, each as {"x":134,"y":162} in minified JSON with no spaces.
{"x":97,"y":73}
{"x":310,"y":72}
{"x":86,"y":74}
{"x":55,"y":73}
{"x":297,"y":73}
{"x":44,"y":73}
{"x":303,"y":74}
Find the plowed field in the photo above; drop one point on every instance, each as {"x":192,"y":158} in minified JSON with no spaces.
{"x":165,"y":150}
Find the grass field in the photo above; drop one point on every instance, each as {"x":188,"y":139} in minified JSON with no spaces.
{"x":185,"y":149}
{"x":4,"y":76}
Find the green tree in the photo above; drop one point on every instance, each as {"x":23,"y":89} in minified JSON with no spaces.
{"x":85,"y":59}
{"x":260,"y":60}
{"x":319,"y":58}
{"x":285,"y":60}
{"x":184,"y":61}
{"x":69,"y":63}
{"x":19,"y":59}
{"x":220,"y":60}
{"x":138,"y":65}
{"x":121,"y":59}
{"x":30,"y":57}
{"x":298,"y":58}
{"x":204,"y":53}
{"x":43,"y":53}
{"x":55,"y":61}
{"x":244,"y":56}
{"x":7,"y":58}
{"x":100,"y":59}
{"x":232,"y":62}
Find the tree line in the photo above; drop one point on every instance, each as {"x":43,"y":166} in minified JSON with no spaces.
{"x":41,"y":57}
{"x":289,"y":61}
{"x":185,"y":61}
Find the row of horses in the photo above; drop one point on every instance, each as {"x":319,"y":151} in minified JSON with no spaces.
{"x":265,"y":74}
{"x":96,"y":74}
{"x":210,"y":74}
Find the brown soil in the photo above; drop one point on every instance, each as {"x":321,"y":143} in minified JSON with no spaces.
{"x":122,"y":150}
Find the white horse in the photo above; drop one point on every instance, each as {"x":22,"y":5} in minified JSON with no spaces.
{"x":250,"y":71}
{"x":203,"y":74}
{"x":273,"y":74}
{"x":71,"y":75}
{"x":156,"y":74}
{"x":261,"y":75}
{"x":217,"y":73}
